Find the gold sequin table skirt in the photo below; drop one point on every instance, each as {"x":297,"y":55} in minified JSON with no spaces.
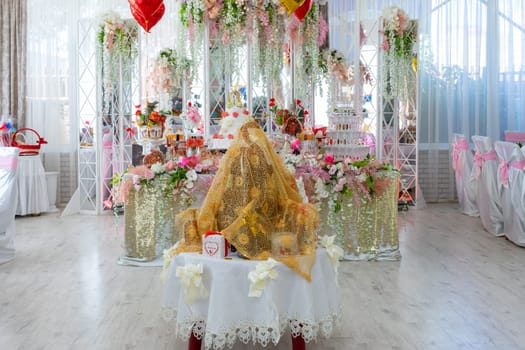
{"x":149,"y":224}
{"x":149,"y":220}
{"x":366,"y":231}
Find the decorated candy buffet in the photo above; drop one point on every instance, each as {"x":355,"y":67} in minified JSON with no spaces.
{"x":249,"y":145}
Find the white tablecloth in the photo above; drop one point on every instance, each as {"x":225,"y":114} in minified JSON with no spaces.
{"x":32,"y":186}
{"x":309,"y":309}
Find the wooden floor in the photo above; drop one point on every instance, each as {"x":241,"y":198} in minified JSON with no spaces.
{"x":456,"y":287}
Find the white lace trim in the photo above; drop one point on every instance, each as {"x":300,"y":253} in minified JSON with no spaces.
{"x":248,"y":332}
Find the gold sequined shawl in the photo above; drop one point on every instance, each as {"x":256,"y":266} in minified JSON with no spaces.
{"x":252,"y":197}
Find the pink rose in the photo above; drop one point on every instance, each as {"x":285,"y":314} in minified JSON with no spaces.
{"x":296,"y":144}
{"x":329,"y":159}
{"x":183,"y":162}
{"x":170,"y":165}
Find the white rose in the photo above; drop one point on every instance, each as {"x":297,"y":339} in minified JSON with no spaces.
{"x":158,"y":168}
{"x":191,"y":175}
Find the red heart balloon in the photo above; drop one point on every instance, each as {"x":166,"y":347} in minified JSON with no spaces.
{"x":303,"y":10}
{"x":147,"y":13}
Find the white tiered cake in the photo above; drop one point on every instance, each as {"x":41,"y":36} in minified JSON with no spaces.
{"x":230,"y":123}
{"x":232,"y":119}
{"x":344,"y":137}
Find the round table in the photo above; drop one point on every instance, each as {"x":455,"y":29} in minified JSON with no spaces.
{"x":227,"y":315}
{"x":32,"y":186}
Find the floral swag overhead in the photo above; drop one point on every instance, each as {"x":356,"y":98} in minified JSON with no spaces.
{"x":263,"y":23}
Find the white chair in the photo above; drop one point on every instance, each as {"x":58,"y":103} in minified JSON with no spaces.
{"x":8,"y":199}
{"x":485,"y":169}
{"x":511,"y":174}
{"x":466,"y":186}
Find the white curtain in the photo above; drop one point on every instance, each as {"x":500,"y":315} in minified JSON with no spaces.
{"x":472,"y":76}
{"x":471,"y":72}
{"x":53,"y":79}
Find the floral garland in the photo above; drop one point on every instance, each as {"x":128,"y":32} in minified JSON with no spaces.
{"x":265,"y":22}
{"x":308,"y":36}
{"x":270,"y":24}
{"x":399,"y":38}
{"x":117,"y":35}
{"x":226,"y":18}
{"x":117,"y":46}
{"x":169,"y":71}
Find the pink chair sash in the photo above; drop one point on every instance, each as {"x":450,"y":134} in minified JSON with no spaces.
{"x":479,"y":158}
{"x":515,"y":136}
{"x":9,"y":163}
{"x":504,"y":169}
{"x":462,"y":145}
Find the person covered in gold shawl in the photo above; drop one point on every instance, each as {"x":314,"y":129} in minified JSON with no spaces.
{"x":254,"y":202}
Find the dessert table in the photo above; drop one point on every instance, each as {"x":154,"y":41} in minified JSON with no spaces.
{"x":226,"y":314}
{"x":366,"y":230}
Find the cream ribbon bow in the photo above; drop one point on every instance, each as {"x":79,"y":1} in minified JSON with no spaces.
{"x":334,"y":251}
{"x":264,"y":271}
{"x":191,"y":280}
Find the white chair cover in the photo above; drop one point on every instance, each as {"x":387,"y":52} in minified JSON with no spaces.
{"x":8,"y":199}
{"x":489,"y":191}
{"x":466,"y":186}
{"x":511,"y":174}
{"x":32,"y":186}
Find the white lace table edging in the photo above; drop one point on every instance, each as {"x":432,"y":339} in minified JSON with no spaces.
{"x":246,"y":332}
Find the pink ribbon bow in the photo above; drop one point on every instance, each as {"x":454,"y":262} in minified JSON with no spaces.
{"x":462,"y":145}
{"x":504,"y":169}
{"x":480,"y":157}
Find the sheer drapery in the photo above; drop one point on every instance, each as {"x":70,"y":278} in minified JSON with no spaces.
{"x":471,"y":72}
{"x":52,"y":71}
{"x":53,"y":77}
{"x":13,"y":22}
{"x":471,"y":76}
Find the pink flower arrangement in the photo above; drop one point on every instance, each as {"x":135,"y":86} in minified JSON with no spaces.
{"x":398,"y":36}
{"x":395,"y":19}
{"x":335,"y":178}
